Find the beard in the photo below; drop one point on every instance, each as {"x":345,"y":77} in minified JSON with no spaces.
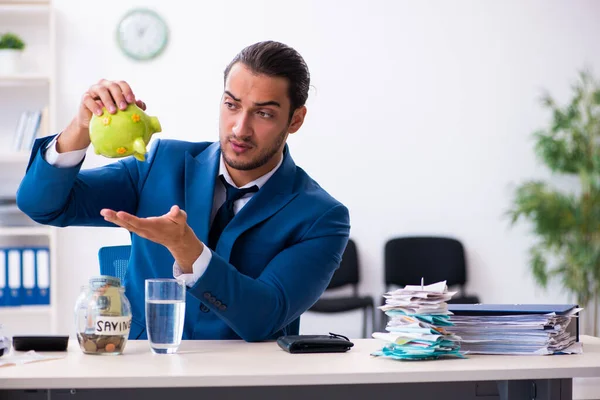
{"x":261,"y":158}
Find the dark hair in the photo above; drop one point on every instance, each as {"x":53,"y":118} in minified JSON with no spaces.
{"x":277,"y":59}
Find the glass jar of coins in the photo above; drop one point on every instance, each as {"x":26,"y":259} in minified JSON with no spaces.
{"x":102,"y":316}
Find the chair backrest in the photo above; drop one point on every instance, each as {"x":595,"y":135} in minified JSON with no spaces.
{"x":407,"y":259}
{"x":347,"y":273}
{"x":114,"y":260}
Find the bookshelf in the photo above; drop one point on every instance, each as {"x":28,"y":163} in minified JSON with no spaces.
{"x":14,"y":157}
{"x":24,"y":80}
{"x":31,"y":89}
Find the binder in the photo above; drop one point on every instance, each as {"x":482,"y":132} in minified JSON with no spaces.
{"x":20,"y":131}
{"x":42,"y":276}
{"x":28,"y":279}
{"x":14,"y":277}
{"x":3,"y":278}
{"x":24,"y":276}
{"x":519,"y":309}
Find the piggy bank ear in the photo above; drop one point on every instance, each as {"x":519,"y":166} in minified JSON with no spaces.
{"x":140,"y":149}
{"x":139,"y":146}
{"x":155,"y":124}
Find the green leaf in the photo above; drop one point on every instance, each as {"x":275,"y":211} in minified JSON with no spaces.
{"x":566,"y":222}
{"x":538,"y":266}
{"x":11,"y":41}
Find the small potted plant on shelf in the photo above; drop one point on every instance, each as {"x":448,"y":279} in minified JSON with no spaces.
{"x":11,"y":49}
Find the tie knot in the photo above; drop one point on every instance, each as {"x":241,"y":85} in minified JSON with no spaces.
{"x":234,"y":193}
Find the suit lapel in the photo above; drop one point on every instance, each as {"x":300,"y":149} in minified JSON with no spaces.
{"x":271,"y":198}
{"x":200,"y":175}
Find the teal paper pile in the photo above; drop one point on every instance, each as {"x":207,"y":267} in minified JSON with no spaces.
{"x":417,"y":317}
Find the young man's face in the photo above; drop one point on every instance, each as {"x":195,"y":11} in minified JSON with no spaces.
{"x":254,"y":119}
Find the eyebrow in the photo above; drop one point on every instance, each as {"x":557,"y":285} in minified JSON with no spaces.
{"x":262,"y":104}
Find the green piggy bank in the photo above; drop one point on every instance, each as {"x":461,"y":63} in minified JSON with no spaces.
{"x":125,"y":133}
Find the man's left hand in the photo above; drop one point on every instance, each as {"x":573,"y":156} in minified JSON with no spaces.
{"x":171,"y":230}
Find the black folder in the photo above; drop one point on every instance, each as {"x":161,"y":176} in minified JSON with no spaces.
{"x":519,"y":309}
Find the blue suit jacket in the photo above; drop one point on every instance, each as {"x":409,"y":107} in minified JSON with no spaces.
{"x":273,"y":261}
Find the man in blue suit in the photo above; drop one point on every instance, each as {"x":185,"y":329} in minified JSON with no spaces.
{"x":254,"y":237}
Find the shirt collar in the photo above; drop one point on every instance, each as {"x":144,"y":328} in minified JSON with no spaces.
{"x":258,"y":182}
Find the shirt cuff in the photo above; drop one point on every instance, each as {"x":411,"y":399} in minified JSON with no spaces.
{"x":63,"y":160}
{"x":198,"y":268}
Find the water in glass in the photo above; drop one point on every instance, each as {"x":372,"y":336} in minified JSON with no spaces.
{"x":165,"y":314}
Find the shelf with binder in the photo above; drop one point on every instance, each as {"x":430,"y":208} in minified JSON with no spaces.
{"x":21,"y":122}
{"x":25,"y":276}
{"x":27,"y":294}
{"x":31,"y":125}
{"x":28,"y":275}
{"x":27,"y":111}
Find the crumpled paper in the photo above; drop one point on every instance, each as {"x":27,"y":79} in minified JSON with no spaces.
{"x":25,"y":358}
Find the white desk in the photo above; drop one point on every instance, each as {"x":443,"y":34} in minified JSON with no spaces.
{"x":262,"y":370}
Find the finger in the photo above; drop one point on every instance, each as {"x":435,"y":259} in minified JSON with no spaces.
{"x":91,"y":104}
{"x":112,"y":217}
{"x":124,"y":224}
{"x":117,"y":94}
{"x":108,"y":213}
{"x":177,"y":215}
{"x":127,"y":92}
{"x":132,"y":220}
{"x":101,"y":92}
{"x":144,"y":227}
{"x":174,"y":211}
{"x":141,"y":104}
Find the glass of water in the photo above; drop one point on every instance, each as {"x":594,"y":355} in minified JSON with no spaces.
{"x":165,"y":313}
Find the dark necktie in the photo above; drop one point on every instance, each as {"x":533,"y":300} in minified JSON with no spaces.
{"x":225,"y":213}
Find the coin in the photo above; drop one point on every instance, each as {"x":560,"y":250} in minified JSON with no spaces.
{"x":90,"y":346}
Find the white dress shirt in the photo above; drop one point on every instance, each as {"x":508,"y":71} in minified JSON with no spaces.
{"x":72,"y":158}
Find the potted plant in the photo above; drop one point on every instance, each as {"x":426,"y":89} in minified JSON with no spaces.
{"x":11,"y":49}
{"x":567,"y":222}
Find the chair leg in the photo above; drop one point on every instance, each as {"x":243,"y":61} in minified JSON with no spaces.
{"x":381,"y":317}
{"x":373,"y":323}
{"x":383,"y":321}
{"x":364,"y":331}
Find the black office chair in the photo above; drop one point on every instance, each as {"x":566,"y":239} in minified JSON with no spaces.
{"x":435,"y":259}
{"x":347,"y":274}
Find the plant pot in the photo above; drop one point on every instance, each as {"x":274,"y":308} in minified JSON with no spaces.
{"x":586,"y":321}
{"x":10,"y":61}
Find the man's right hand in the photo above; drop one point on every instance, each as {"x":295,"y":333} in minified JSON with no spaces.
{"x":109,"y":95}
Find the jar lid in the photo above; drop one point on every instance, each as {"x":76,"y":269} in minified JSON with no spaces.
{"x":104,"y":280}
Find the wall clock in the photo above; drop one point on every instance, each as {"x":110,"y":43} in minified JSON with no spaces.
{"x":142,"y":34}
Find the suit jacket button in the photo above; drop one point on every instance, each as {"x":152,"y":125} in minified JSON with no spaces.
{"x":218,"y":304}
{"x":222,"y":307}
{"x":207,"y":295}
{"x":212,"y":299}
{"x":204,"y":309}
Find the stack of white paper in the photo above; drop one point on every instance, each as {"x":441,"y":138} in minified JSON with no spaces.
{"x":417,"y":324}
{"x":527,"y":334}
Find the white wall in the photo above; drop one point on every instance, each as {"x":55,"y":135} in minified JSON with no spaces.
{"x":420,"y":116}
